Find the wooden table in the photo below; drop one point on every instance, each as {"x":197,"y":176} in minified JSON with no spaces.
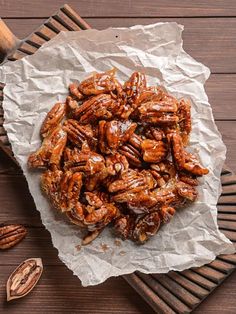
{"x":210,"y":37}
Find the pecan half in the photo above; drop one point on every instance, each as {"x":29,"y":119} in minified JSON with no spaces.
{"x":184,"y":160}
{"x":154,"y":151}
{"x":10,"y":235}
{"x":113,"y":134}
{"x":53,"y":118}
{"x":49,"y":154}
{"x":100,"y":83}
{"x":24,"y":278}
{"x":162,"y":112}
{"x":102,"y":106}
{"x":78,"y":134}
{"x":132,"y":150}
{"x":75,"y":92}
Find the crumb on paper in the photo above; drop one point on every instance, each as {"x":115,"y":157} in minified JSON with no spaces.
{"x":122,"y":253}
{"x":78,"y":247}
{"x":104,"y":247}
{"x":117,"y":242}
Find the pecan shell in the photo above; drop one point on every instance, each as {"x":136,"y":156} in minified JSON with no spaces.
{"x":24,"y":278}
{"x":10,"y":235}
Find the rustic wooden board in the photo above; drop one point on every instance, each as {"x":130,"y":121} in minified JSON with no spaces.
{"x":132,"y":8}
{"x":169,"y":293}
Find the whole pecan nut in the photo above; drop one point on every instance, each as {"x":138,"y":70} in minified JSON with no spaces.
{"x":10,"y":235}
{"x":24,"y":278}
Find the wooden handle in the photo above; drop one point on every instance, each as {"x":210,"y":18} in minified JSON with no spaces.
{"x":8,"y":41}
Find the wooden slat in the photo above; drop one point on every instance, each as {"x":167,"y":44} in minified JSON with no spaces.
{"x":226,"y":209}
{"x":228,"y":180}
{"x":148,"y":294}
{"x":66,"y":21}
{"x":227,"y":225}
{"x":181,"y":293}
{"x":231,"y":258}
{"x":75,"y":17}
{"x":222,"y":266}
{"x":45,"y":32}
{"x":223,"y":216}
{"x":165,"y":294}
{"x":35,"y":40}
{"x":27,"y":48}
{"x":188,"y":284}
{"x":198,"y":279}
{"x":55,"y":25}
{"x":210,"y":273}
{"x":197,"y":32}
{"x":227,"y":199}
{"x":138,"y":8}
{"x":229,"y":189}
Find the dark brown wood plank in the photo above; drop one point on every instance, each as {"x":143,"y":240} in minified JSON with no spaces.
{"x":35,"y":40}
{"x":203,"y":40}
{"x":148,"y":294}
{"x":66,"y":21}
{"x":209,"y":273}
{"x":55,"y":25}
{"x":139,"y":8}
{"x":222,"y":266}
{"x":27,"y":48}
{"x":164,"y":294}
{"x":225,"y":180}
{"x":227,"y":225}
{"x":226,"y":209}
{"x":198,"y":279}
{"x":36,"y":243}
{"x":45,"y":32}
{"x":223,"y":216}
{"x":231,"y":258}
{"x":17,"y":205}
{"x":59,"y":291}
{"x":229,"y":189}
{"x":188,"y":284}
{"x":181,"y":293}
{"x":75,"y":17}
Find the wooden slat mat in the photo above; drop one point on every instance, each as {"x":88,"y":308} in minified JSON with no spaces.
{"x":175,"y":292}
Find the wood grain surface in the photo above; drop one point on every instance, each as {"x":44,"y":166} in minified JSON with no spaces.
{"x":209,"y":36}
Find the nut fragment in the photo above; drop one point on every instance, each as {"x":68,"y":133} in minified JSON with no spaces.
{"x":10,"y":235}
{"x":24,"y":278}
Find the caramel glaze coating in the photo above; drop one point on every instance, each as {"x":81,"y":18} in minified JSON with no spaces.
{"x":116,"y":154}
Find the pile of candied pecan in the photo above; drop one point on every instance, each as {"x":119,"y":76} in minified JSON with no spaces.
{"x":116,"y":153}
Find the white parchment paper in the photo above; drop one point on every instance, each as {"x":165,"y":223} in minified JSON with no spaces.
{"x":35,"y":83}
